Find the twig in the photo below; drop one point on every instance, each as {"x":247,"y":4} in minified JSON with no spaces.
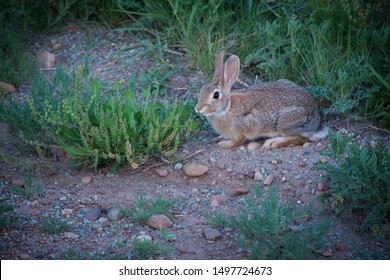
{"x":165,"y":48}
{"x":48,"y":69}
{"x":242,"y":82}
{"x":380,"y":129}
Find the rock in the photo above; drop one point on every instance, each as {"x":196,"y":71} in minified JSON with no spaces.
{"x":183,"y":250}
{"x":25,"y":257}
{"x":341,"y":247}
{"x":194,"y":169}
{"x":296,"y":228}
{"x":70,"y":235}
{"x":385,"y":228}
{"x":46,"y":59}
{"x":326,"y":254}
{"x":18,"y":183}
{"x":63,"y":198}
{"x":35,"y":203}
{"x":307,"y":144}
{"x":6,"y":88}
{"x":144,"y":237}
{"x":253,"y":146}
{"x":178,"y":166}
{"x":228,"y":229}
{"x":211,"y":233}
{"x":113,"y":214}
{"x":58,"y":151}
{"x":268,"y":180}
{"x":162,"y":172}
{"x":66,"y":212}
{"x":45,"y":201}
{"x":302,"y":164}
{"x":103,"y":221}
{"x":93,"y":214}
{"x":159,"y":222}
{"x":322,"y":187}
{"x":219,"y":198}
{"x":229,"y":170}
{"x":258,"y":176}
{"x":86,"y":180}
{"x":323,"y":160}
{"x":111,"y":63}
{"x":55,"y":45}
{"x":240,"y":191}
{"x":214,"y":203}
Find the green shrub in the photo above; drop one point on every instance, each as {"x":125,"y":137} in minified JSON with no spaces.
{"x":6,"y":221}
{"x":359,"y":181}
{"x":271,"y":229}
{"x":146,"y":208}
{"x":145,"y":249}
{"x":97,"y":127}
{"x":51,"y":225}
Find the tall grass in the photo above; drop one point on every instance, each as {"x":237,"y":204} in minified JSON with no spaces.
{"x":338,"y":48}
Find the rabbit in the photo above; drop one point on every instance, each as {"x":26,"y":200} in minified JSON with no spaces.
{"x":282,"y":110}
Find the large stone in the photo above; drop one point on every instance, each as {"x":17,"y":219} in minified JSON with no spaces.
{"x":86,"y":180}
{"x":218,"y":198}
{"x":240,"y":191}
{"x":93,"y":214}
{"x":70,"y":235}
{"x":46,"y":59}
{"x":258,"y":176}
{"x":162,"y":172}
{"x":159,"y":222}
{"x":113,"y":214}
{"x":6,"y":88}
{"x":268,"y":180}
{"x":18,"y":183}
{"x":194,"y":169}
{"x":211,"y":233}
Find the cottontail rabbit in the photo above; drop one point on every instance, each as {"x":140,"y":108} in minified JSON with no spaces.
{"x":281,"y":110}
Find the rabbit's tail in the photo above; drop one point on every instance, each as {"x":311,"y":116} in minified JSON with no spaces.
{"x":319,"y":134}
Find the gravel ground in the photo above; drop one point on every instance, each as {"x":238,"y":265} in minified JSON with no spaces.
{"x":87,"y":201}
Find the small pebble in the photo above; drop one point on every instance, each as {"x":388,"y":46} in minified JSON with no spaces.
{"x":178,"y":166}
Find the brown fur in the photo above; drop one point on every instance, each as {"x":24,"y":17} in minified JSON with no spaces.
{"x":279,"y":109}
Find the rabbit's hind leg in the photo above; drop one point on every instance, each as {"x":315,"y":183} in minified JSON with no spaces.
{"x":283,"y":141}
{"x":232,"y":143}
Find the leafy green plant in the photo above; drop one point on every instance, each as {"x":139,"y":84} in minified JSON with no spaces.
{"x":114,"y":128}
{"x":29,"y":189}
{"x":271,"y":229}
{"x":359,"y":181}
{"x":51,"y":225}
{"x":146,"y":208}
{"x":145,"y":249}
{"x":6,"y":220}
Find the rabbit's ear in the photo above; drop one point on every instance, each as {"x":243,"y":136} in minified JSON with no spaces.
{"x":232,"y":69}
{"x":218,"y":72}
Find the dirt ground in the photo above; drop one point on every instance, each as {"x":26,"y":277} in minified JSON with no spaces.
{"x":68,"y":194}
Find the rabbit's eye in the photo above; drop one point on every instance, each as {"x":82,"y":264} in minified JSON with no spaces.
{"x":216,"y":95}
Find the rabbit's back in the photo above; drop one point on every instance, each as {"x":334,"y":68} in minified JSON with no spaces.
{"x":281,"y":106}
